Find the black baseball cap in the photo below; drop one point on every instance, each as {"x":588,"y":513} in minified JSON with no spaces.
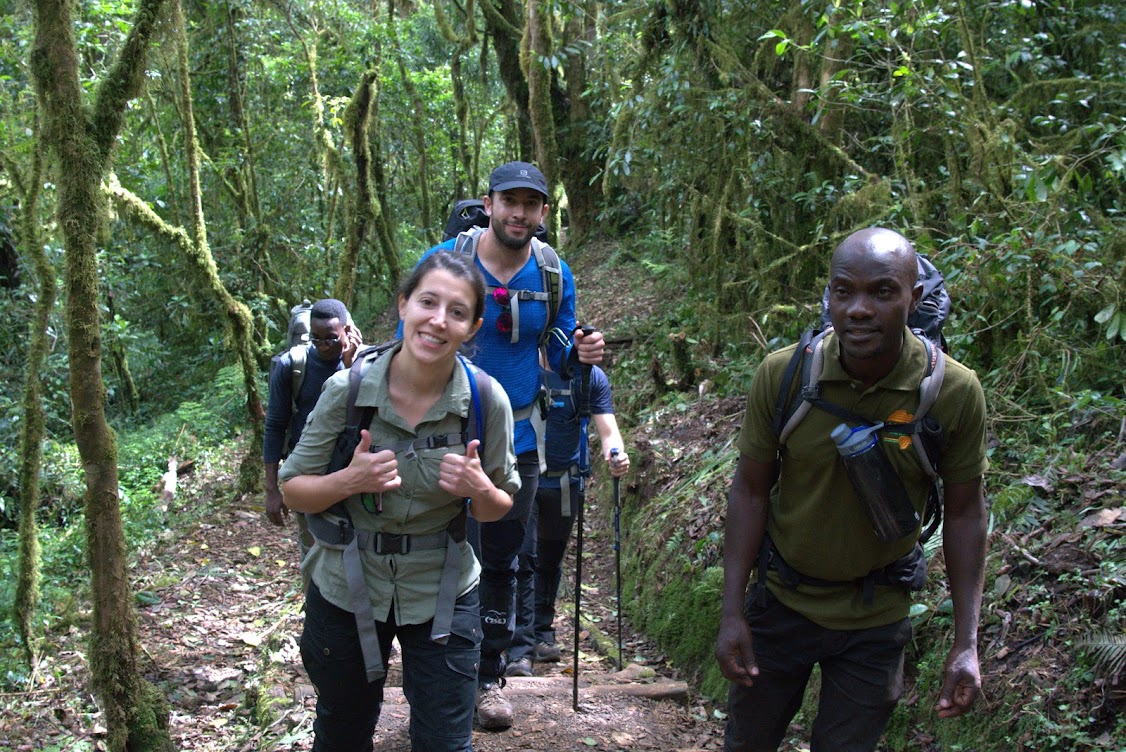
{"x":518,"y":175}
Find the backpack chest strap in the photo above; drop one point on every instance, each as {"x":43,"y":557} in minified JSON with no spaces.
{"x":514,"y":298}
{"x":410,"y":447}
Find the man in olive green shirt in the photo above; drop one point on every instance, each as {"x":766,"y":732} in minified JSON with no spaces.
{"x":827,"y":611}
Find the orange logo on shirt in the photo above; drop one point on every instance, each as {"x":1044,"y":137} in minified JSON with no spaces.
{"x":900,"y":416}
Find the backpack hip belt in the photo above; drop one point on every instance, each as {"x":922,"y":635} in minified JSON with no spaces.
{"x":909,"y":571}
{"x":387,"y":544}
{"x":565,"y":480}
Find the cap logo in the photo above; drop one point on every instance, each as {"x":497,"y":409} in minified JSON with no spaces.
{"x":523,"y":173}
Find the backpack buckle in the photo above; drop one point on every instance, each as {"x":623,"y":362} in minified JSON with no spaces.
{"x":811,"y":392}
{"x":392,"y":543}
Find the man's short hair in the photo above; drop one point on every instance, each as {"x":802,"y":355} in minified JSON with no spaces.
{"x":329,"y":308}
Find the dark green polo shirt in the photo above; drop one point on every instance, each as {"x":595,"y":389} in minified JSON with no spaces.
{"x":815,"y":519}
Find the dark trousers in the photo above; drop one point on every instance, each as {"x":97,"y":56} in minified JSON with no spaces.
{"x":861,"y":681}
{"x":439,"y":680}
{"x":540,"y":569}
{"x":496,"y":545}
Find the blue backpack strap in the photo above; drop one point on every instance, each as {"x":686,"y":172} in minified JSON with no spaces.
{"x":481,"y":400}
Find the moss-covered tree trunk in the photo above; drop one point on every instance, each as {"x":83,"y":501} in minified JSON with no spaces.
{"x":465,"y":179}
{"x":364,"y":209}
{"x":537,"y":47}
{"x":81,"y":139}
{"x":564,"y":112}
{"x":504,"y":24}
{"x":578,"y":168}
{"x":240,"y":325}
{"x":32,"y":419}
{"x":385,"y":222}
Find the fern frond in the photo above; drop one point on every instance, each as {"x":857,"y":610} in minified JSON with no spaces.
{"x":1108,"y":650}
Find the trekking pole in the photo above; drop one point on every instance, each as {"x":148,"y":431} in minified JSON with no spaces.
{"x":618,"y":548}
{"x":578,"y":601}
{"x":584,"y":470}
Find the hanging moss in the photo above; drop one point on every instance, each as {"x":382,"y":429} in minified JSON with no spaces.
{"x":356,"y":119}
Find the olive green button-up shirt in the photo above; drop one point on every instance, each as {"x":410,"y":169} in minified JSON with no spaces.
{"x":408,"y":582}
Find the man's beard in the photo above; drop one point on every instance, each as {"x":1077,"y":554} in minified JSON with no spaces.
{"x":509,"y":241}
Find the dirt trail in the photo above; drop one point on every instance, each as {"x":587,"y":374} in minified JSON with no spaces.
{"x":224,"y":630}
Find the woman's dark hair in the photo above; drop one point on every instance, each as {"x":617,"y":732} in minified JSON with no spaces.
{"x":460,"y":265}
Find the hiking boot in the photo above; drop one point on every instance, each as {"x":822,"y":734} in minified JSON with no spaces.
{"x":493,"y":711}
{"x":521,"y":667}
{"x":547,"y":652}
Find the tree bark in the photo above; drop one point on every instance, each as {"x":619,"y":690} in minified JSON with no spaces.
{"x":537,"y":49}
{"x":365,"y":209}
{"x":81,"y":140}
{"x":505,"y":26}
{"x":32,"y":422}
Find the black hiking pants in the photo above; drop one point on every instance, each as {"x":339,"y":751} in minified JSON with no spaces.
{"x":497,"y":545}
{"x":861,"y":681}
{"x":439,"y":680}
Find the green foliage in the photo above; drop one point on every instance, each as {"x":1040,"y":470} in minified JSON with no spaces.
{"x":1108,"y":650}
{"x":199,"y":431}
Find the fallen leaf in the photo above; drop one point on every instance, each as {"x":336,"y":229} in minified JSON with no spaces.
{"x":1102,"y":518}
{"x":251,"y":638}
{"x":255,"y":550}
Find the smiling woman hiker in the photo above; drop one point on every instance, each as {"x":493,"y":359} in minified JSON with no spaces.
{"x":399,"y":448}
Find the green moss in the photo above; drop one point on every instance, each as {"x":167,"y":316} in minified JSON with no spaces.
{"x":682,"y":614}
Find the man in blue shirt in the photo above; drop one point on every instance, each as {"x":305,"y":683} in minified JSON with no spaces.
{"x":333,"y":341}
{"x":558,"y":500}
{"x":507,"y":348}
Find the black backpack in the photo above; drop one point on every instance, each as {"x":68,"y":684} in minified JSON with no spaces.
{"x":470,"y":212}
{"x":801,"y":388}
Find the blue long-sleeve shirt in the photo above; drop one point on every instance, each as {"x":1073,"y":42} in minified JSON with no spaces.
{"x":516,"y":366}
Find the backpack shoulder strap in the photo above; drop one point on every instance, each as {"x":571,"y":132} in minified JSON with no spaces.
{"x":298,"y":355}
{"x":782,"y":404}
{"x":466,"y":241}
{"x":929,"y":389}
{"x":551,"y":270}
{"x":811,"y":359}
{"x":481,"y":401}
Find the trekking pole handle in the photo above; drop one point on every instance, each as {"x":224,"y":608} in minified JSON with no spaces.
{"x":584,"y":392}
